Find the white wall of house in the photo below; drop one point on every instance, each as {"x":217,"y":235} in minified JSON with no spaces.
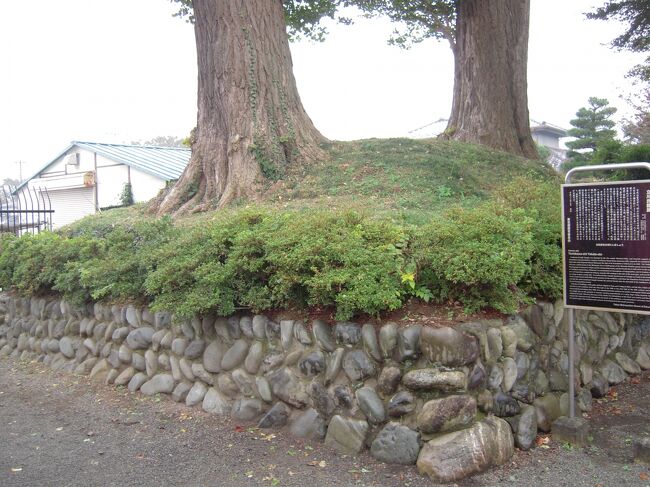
{"x":547,"y":140}
{"x":145,"y":186}
{"x":111,"y":178}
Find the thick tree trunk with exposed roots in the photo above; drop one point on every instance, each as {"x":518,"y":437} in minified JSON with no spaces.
{"x":490,"y":103}
{"x":251,"y":123}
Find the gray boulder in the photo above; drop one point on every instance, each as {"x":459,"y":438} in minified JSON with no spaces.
{"x":215,"y":403}
{"x":136,"y":381}
{"x":371,"y":405}
{"x":434,"y":379}
{"x":235,"y":355}
{"x":547,"y":410}
{"x":626,"y":363}
{"x":396,"y":444}
{"x":125,"y":376}
{"x":612,"y":372}
{"x":357,"y":365}
{"x":643,"y":357}
{"x":448,"y":346}
{"x":212,"y":357}
{"x":323,"y":336}
{"x":447,"y":413}
{"x":254,"y":357}
{"x":301,"y":334}
{"x":388,"y":339}
{"x":370,"y":343}
{"x":524,"y":426}
{"x":161,"y":383}
{"x":389,"y":380}
{"x":286,"y":333}
{"x":334,"y":365}
{"x":179,"y":345}
{"x":247,"y":409}
{"x":454,"y":456}
{"x":312,"y":364}
{"x":277,"y":416}
{"x":196,"y":394}
{"x":181,"y":391}
{"x":308,"y":425}
{"x":287,"y":387}
{"x":140,"y":338}
{"x":346,"y":435}
{"x":321,"y":400}
{"x":400,"y":404}
{"x":194,"y":349}
{"x":408,"y":343}
{"x":67,"y":348}
{"x":347,"y":333}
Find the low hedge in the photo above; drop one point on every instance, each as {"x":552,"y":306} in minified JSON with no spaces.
{"x":497,"y":254}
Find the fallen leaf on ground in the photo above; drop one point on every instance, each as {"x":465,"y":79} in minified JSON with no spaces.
{"x":635,"y":380}
{"x":16,"y":469}
{"x":315,"y":463}
{"x":644,"y":476}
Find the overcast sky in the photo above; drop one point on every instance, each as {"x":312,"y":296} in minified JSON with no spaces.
{"x":124,"y":70}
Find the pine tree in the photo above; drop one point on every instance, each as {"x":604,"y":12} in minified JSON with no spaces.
{"x":591,"y":127}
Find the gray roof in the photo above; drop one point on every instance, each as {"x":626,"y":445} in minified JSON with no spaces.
{"x":166,"y":163}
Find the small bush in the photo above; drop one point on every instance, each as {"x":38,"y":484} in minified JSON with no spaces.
{"x":476,"y":256}
{"x":40,"y":264}
{"x":202,"y":276}
{"x":127,"y":256}
{"x":345,"y":260}
{"x":542,"y":203}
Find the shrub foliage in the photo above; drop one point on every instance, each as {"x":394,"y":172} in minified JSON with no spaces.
{"x":496,"y":254}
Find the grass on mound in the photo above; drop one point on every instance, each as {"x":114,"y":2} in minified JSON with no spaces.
{"x":405,"y":179}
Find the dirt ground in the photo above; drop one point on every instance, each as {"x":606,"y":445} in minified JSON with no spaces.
{"x":62,"y":430}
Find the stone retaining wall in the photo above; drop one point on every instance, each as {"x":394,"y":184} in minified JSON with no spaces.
{"x":455,"y":401}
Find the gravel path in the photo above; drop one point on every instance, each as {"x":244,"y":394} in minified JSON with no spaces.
{"x":62,"y":430}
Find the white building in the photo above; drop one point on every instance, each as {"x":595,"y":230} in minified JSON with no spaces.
{"x":549,"y":136}
{"x":88,"y":176}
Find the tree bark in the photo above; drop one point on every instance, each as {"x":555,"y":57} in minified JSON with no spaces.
{"x":490,"y":100}
{"x":251,"y":123}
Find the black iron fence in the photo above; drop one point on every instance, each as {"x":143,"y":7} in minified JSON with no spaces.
{"x":28,"y":210}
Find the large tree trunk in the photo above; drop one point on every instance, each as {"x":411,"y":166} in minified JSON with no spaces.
{"x":490,"y":103}
{"x":251,"y":122}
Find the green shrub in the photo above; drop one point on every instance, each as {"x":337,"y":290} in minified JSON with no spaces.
{"x":40,"y":264}
{"x":8,"y":243}
{"x":340,"y":259}
{"x":496,"y":254}
{"x":542,"y":203}
{"x":202,"y":276}
{"x":126,"y":256}
{"x":262,"y":260}
{"x":475,"y":256}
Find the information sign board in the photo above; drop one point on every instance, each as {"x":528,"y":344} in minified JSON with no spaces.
{"x":606,"y":247}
